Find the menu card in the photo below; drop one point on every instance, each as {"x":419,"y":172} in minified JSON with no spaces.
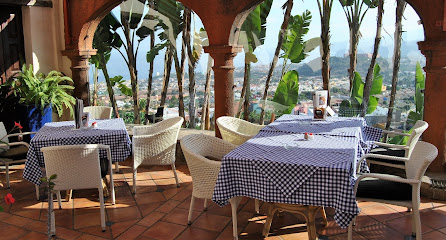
{"x":78,"y":112}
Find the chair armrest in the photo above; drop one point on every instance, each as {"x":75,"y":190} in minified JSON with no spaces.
{"x":388,"y":145}
{"x":396,"y":133}
{"x":14,"y":144}
{"x":386,"y":157}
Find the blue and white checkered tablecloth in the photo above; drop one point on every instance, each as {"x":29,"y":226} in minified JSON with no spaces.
{"x":279,"y":165}
{"x":111,"y":132}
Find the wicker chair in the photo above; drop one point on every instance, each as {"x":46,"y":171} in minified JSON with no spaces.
{"x":203,"y":154}
{"x":383,"y":154}
{"x":12,"y":153}
{"x":395,"y":190}
{"x":77,"y":167}
{"x":99,"y":112}
{"x":237,"y":131}
{"x":155,"y":145}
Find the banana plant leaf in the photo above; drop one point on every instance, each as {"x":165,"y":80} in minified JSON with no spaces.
{"x":293,"y":44}
{"x":288,"y":91}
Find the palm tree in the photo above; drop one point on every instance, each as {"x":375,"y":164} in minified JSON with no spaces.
{"x":286,"y":17}
{"x":252,"y":35}
{"x":325,"y":14}
{"x":400,"y":7}
{"x":354,"y":12}
{"x":151,"y":19}
{"x":368,"y":79}
{"x":95,"y":63}
{"x":106,"y":38}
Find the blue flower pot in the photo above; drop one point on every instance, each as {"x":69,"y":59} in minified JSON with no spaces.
{"x":32,"y":118}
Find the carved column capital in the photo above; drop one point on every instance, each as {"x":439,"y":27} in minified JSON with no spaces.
{"x":79,"y":69}
{"x":435,"y":53}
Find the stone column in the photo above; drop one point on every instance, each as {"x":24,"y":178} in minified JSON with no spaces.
{"x":435,"y":98}
{"x":223,"y":79}
{"x":79,"y":69}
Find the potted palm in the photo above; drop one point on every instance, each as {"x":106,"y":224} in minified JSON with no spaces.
{"x":39,"y":95}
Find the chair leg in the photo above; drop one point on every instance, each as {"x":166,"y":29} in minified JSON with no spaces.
{"x":112,"y":185}
{"x":257,"y":206}
{"x":116,"y":167}
{"x":191,"y":209}
{"x":7,"y":175}
{"x":416,"y":223}
{"x":101,"y":200}
{"x":59,"y":201}
{"x":234,"y":204}
{"x":37,"y":192}
{"x":175,"y":173}
{"x":134,"y":180}
{"x":205,"y":204}
{"x":269,"y":219}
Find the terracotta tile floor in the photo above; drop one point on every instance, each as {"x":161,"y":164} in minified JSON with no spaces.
{"x":159,"y":211}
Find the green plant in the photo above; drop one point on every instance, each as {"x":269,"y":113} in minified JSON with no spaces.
{"x":352,"y":107}
{"x":287,"y":91}
{"x":42,"y":90}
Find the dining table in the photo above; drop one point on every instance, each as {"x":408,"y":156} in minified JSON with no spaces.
{"x":111,"y":132}
{"x":279,"y":165}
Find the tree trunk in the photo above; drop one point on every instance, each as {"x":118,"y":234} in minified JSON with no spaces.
{"x":286,"y":19}
{"x":180,"y":77}
{"x":354,"y":40}
{"x":325,"y":39}
{"x":369,"y":77}
{"x":192,"y":64}
{"x":111,"y":93}
{"x":167,"y":68}
{"x":400,"y":7}
{"x":242,"y":95}
{"x":150,"y":78}
{"x":132,"y":69}
{"x":247,"y":92}
{"x":95,"y":86}
{"x":207,"y":91}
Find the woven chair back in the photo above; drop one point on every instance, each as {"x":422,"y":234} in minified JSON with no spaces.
{"x":76,"y":166}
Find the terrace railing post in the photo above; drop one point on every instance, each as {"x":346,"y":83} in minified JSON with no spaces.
{"x":223,"y":80}
{"x":79,"y":69}
{"x":434,"y":99}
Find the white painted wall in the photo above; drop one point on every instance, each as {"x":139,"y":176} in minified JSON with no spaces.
{"x":43,"y":30}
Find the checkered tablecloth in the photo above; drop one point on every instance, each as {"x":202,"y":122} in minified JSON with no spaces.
{"x":279,"y":165}
{"x":110,"y":132}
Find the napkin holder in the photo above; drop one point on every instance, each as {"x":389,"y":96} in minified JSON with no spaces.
{"x":320,"y":105}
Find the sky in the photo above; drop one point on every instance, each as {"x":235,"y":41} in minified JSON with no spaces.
{"x":339,"y":36}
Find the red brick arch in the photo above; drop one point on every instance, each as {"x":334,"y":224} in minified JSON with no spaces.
{"x":223,"y":17}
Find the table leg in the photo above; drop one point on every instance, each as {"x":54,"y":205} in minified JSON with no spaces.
{"x":234,"y":204}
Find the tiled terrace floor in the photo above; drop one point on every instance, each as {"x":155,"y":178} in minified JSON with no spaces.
{"x":159,"y":211}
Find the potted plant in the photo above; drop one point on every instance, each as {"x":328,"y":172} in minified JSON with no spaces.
{"x":39,"y":94}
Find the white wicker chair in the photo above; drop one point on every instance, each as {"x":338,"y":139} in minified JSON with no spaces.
{"x":237,"y":131}
{"x":203,"y":154}
{"x":155,"y":145}
{"x":77,"y":167}
{"x":380,"y":156}
{"x":99,"y":112}
{"x":391,"y":189}
{"x":16,"y":154}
